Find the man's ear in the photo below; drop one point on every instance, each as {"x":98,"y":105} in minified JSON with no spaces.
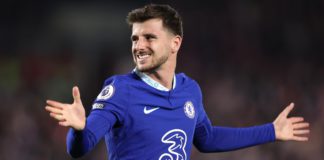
{"x":176,"y":43}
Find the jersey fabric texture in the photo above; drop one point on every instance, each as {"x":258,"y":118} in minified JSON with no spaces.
{"x":141,"y":119}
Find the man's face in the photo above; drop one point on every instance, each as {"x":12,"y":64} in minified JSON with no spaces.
{"x":151,"y":45}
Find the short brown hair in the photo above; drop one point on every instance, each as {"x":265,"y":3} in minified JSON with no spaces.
{"x":169,"y":16}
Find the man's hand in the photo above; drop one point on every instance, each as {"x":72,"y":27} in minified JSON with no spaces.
{"x":292,"y":128}
{"x":68,"y":115}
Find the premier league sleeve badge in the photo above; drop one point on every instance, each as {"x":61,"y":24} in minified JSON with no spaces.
{"x":106,"y":92}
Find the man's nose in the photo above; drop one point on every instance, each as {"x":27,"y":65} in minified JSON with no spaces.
{"x":141,"y":44}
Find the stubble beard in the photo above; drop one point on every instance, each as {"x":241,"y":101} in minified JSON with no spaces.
{"x":155,"y":64}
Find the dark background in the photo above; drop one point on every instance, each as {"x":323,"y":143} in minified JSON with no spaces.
{"x":251,"y":58}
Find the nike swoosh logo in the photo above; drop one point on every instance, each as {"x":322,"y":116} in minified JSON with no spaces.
{"x":148,"y":111}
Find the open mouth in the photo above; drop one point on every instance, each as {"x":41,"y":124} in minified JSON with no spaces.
{"x":143,"y":56}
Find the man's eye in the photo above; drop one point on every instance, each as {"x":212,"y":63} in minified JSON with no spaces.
{"x":150,"y":37}
{"x":133,"y":39}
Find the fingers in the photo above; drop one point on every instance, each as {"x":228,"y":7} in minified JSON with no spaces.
{"x":300,"y":131}
{"x":55,"y":104}
{"x":304,"y":131}
{"x":58,"y":117}
{"x":300,"y":125}
{"x":54,"y":110}
{"x":288,"y":109}
{"x":298,"y":138}
{"x":301,"y":128}
{"x":76,"y":94}
{"x":296,"y":119}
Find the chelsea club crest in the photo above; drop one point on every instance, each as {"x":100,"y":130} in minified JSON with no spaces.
{"x":189,"y":109}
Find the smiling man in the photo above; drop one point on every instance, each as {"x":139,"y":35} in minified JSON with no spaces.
{"x":153,"y":113}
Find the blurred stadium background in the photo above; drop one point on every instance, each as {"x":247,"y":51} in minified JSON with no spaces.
{"x":251,"y":58}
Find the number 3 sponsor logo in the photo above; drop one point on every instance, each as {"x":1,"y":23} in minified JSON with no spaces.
{"x":177,"y":139}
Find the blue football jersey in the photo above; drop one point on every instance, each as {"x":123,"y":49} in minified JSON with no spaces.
{"x":151,"y":123}
{"x":141,"y":119}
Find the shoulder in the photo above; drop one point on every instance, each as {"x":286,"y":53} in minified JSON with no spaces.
{"x":115,"y":85}
{"x":185,"y":81}
{"x":118,"y":80}
{"x":189,"y":85}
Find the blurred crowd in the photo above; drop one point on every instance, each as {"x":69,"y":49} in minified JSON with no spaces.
{"x":251,"y":60}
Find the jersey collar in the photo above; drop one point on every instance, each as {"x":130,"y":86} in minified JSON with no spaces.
{"x":148,"y":80}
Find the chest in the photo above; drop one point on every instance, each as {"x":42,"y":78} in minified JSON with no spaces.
{"x":153,"y":118}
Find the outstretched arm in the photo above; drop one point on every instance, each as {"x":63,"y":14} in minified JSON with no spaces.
{"x":210,"y":138}
{"x":292,"y":128}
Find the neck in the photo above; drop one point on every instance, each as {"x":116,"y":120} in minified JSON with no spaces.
{"x":164,"y":77}
{"x":164,"y":74}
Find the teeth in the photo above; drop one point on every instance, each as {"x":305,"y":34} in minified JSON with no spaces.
{"x":143,"y":56}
